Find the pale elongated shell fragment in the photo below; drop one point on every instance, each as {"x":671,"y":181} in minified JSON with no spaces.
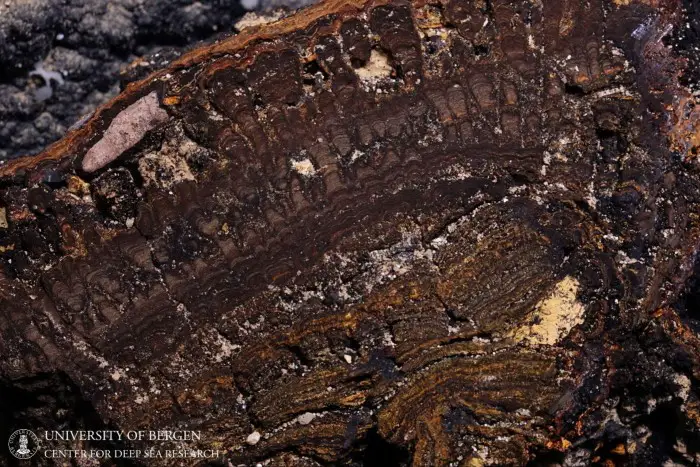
{"x":127,"y":129}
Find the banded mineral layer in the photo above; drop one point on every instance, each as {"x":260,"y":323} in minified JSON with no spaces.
{"x":377,"y":232}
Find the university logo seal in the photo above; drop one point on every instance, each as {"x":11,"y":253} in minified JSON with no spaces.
{"x":23,"y":444}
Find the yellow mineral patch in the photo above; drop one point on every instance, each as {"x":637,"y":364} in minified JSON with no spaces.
{"x":171,"y":100}
{"x":553,"y":317}
{"x":304,"y":167}
{"x":168,"y":166}
{"x":78,"y":186}
{"x":377,"y":67}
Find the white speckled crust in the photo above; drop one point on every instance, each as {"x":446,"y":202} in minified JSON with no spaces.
{"x":125,"y":130}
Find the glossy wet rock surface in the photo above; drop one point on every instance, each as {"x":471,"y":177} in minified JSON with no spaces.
{"x":447,"y":233}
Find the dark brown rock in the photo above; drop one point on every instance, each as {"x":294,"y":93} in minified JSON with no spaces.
{"x":457,"y":233}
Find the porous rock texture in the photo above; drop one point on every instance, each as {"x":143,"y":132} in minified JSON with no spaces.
{"x":377,"y":232}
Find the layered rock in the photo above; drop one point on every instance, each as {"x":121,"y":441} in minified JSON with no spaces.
{"x":433,"y":229}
